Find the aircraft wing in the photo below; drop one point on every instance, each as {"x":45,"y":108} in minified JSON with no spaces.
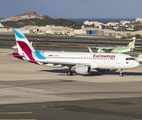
{"x":58,"y":63}
{"x":105,"y":48}
{"x":62,"y":63}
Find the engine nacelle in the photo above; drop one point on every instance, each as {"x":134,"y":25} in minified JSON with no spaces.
{"x":102,"y":70}
{"x":83,"y":69}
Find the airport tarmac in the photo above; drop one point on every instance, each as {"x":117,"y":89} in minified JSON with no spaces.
{"x":22,"y":82}
{"x":52,"y":84}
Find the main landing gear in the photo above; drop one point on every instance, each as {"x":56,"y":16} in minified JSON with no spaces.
{"x":121,"y":73}
{"x":69,"y":73}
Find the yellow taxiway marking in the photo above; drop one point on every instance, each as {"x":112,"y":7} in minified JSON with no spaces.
{"x":15,"y":113}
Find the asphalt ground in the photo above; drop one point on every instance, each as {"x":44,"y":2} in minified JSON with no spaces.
{"x":74,"y":41}
{"x":32,"y":92}
{"x":82,"y":40}
{"x":101,"y":109}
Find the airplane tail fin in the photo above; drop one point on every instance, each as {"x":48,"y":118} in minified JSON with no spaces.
{"x":131,"y":45}
{"x":22,"y":42}
{"x":24,"y":46}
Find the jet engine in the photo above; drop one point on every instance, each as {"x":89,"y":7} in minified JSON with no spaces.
{"x":102,"y":70}
{"x":83,"y":69}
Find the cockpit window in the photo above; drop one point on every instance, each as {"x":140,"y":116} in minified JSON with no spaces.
{"x":130,"y":59}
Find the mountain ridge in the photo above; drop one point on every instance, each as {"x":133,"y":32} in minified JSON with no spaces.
{"x":23,"y":16}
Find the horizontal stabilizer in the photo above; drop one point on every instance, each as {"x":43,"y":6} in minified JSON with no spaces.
{"x":17,"y":55}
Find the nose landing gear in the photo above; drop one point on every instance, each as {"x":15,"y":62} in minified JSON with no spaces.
{"x":121,"y":73}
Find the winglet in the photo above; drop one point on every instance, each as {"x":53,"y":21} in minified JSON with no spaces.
{"x":90,"y":50}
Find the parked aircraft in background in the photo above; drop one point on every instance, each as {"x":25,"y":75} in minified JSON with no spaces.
{"x":127,"y":49}
{"x":81,"y":62}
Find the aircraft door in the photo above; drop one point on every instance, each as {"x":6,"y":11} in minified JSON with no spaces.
{"x":118,"y":59}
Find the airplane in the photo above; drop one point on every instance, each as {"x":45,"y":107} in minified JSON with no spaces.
{"x":139,"y":58}
{"x":124,"y":50}
{"x":81,"y":62}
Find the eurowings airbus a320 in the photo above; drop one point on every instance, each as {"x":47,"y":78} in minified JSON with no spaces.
{"x":81,"y":62}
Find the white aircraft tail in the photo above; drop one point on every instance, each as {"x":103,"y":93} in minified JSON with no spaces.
{"x":22,"y":42}
{"x":131,"y":45}
{"x":25,"y":49}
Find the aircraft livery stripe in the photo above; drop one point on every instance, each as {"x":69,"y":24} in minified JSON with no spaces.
{"x":40,"y":55}
{"x":26,"y":49}
{"x":19,"y":34}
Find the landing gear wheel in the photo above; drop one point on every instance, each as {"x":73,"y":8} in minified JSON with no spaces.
{"x":121,"y":75}
{"x":69,"y":73}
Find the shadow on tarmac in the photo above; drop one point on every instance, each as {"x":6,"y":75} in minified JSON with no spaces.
{"x":96,"y":73}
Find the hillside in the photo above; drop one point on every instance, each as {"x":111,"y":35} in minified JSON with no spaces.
{"x":43,"y":22}
{"x":29,"y":15}
{"x":32,"y":18}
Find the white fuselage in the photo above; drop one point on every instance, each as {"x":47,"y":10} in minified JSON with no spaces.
{"x":94,"y":60}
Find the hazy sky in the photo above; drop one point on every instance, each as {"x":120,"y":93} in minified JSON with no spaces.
{"x":73,"y":8}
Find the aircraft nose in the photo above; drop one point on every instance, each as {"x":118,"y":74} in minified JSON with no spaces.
{"x":136,"y":64}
